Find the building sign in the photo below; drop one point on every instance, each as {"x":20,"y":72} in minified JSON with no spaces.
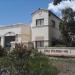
{"x":55,"y":51}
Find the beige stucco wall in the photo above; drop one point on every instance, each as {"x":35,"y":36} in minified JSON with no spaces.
{"x":25,"y":33}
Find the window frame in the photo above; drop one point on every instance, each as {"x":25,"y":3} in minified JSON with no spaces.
{"x":40,"y":21}
{"x":41,"y":43}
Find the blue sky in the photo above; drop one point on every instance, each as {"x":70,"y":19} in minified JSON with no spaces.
{"x":19,"y":11}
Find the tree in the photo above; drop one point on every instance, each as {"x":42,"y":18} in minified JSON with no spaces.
{"x":67,"y":26}
{"x":3,"y":51}
{"x":58,"y":1}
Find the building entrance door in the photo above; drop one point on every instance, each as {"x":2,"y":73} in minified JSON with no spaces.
{"x":8,"y":40}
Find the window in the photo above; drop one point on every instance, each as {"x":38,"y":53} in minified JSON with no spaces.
{"x":8,"y":40}
{"x":39,"y":22}
{"x":66,"y":51}
{"x":53,"y":23}
{"x":58,"y":51}
{"x":39,"y":44}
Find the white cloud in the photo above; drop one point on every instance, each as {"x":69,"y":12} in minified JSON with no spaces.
{"x":64,"y":4}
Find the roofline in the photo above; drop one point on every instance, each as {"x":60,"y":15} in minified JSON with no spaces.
{"x":48,"y":11}
{"x":54,"y":15}
{"x":39,"y":9}
{"x":13,"y":25}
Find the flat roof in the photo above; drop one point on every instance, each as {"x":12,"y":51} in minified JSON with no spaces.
{"x":13,"y":25}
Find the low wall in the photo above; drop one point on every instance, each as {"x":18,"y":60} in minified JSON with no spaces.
{"x":58,"y":51}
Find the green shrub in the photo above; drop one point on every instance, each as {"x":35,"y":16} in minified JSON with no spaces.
{"x":27,"y":62}
{"x":3,"y":51}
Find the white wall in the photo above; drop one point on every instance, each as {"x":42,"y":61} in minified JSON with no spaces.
{"x":16,"y":30}
{"x":40,"y":31}
{"x":4,"y":31}
{"x":58,"y":51}
{"x":38,"y":15}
